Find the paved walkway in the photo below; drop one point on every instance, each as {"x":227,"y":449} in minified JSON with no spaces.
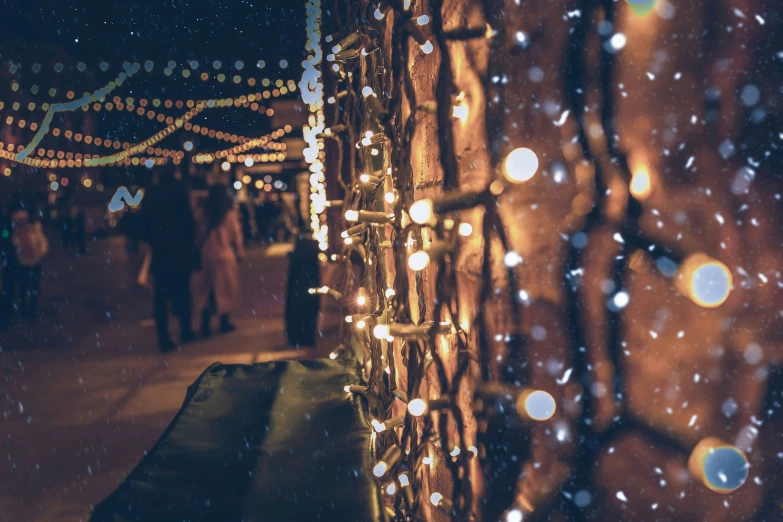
{"x":84,"y":391}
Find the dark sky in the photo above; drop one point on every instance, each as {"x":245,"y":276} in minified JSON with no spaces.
{"x":115,"y":31}
{"x":161,"y":30}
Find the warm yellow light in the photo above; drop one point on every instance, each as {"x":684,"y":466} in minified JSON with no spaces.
{"x":246,"y":179}
{"x":389,"y":197}
{"x":381,"y":331}
{"x":417,"y":407}
{"x":421,"y":211}
{"x":225,"y":166}
{"x":418,"y":261}
{"x":465,"y":229}
{"x":641,"y":183}
{"x":259,"y":184}
{"x":361,"y":300}
{"x":520,"y":165}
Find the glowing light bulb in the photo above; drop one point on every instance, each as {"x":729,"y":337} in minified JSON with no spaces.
{"x":225,"y":166}
{"x":421,"y":212}
{"x":333,"y":355}
{"x":436,"y":498}
{"x":360,"y":324}
{"x":381,"y":331}
{"x":465,"y":229}
{"x":704,"y":280}
{"x":249,"y":162}
{"x":188,"y":145}
{"x":473,"y":450}
{"x":641,"y":183}
{"x":417,"y":407}
{"x":389,"y":197}
{"x":237,"y":185}
{"x":404,"y":482}
{"x":721,"y":467}
{"x":460,"y":112}
{"x":347,"y":388}
{"x":418,"y":261}
{"x":514,"y":515}
{"x":352,"y":215}
{"x":456,"y":451}
{"x":520,"y":165}
{"x":537,"y":405}
{"x":427,"y":461}
{"x":361,"y":300}
{"x":427,"y":48}
{"x":366,"y":91}
{"x":380,"y":469}
{"x":377,"y":426}
{"x":391,"y":489}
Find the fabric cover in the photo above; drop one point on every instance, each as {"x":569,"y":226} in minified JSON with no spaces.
{"x":278,"y":441}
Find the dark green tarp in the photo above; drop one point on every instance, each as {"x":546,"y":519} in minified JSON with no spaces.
{"x":279,"y":441}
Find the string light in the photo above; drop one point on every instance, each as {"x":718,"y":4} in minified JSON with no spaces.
{"x":418,"y":261}
{"x":368,"y":216}
{"x":130,"y":70}
{"x":311,"y":90}
{"x":325,"y":290}
{"x":389,"y":459}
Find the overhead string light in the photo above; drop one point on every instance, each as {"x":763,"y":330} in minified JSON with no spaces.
{"x":130,"y":70}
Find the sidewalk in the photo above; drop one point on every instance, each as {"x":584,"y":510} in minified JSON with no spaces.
{"x":80,"y":411}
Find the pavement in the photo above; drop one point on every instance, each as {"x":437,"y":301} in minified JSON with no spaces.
{"x":84,"y":391}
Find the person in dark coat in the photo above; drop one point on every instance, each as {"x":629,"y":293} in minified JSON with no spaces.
{"x":168,"y":227}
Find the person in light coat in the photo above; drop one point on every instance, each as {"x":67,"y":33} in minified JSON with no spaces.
{"x":221,"y":246}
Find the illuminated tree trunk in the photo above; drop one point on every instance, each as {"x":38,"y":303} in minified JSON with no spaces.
{"x":566,"y":283}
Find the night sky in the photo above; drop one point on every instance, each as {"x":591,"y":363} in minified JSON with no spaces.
{"x":48,"y":31}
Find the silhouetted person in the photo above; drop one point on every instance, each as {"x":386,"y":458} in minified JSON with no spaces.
{"x":168,"y":228}
{"x":31,"y":246}
{"x":220,"y":237}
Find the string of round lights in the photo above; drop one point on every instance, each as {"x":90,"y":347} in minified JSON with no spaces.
{"x":83,"y":161}
{"x":282,"y":87}
{"x":186,"y":72}
{"x":130,"y":70}
{"x":149,"y":66}
{"x":311,"y":88}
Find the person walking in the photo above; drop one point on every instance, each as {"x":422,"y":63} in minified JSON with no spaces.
{"x":221,"y":245}
{"x":168,"y":227}
{"x":31,"y":246}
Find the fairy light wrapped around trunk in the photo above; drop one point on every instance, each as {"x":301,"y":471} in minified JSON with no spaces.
{"x":442,"y":170}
